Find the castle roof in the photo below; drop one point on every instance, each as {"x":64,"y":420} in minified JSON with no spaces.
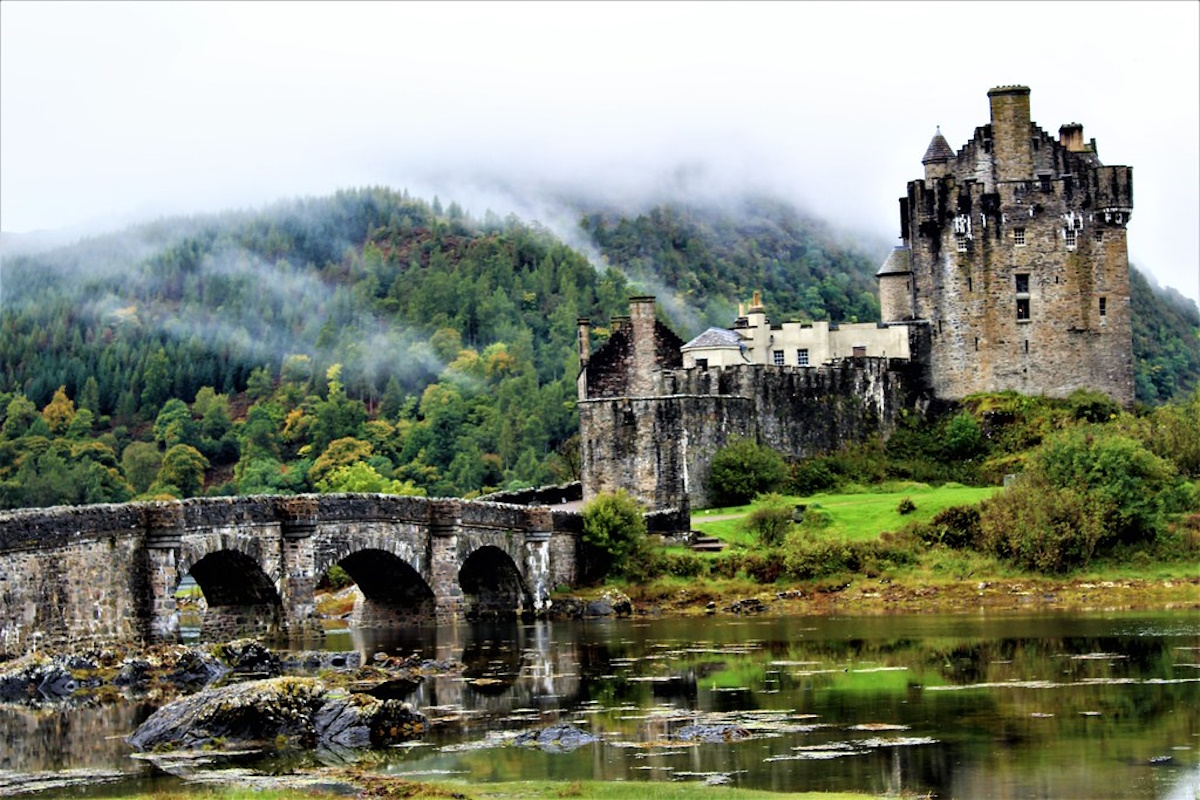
{"x":939,"y":149}
{"x":714,"y":337}
{"x":899,"y":262}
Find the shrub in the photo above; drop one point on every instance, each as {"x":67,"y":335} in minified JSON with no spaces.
{"x":770,"y":519}
{"x":1038,"y":526}
{"x":684,"y":565}
{"x":742,"y":470}
{"x":811,"y":475}
{"x":956,"y":527}
{"x":614,"y":533}
{"x":906,"y":506}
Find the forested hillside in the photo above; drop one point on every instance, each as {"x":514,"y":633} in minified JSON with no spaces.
{"x":371,"y":341}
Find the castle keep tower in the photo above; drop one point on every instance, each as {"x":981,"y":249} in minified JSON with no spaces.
{"x":1014,"y":257}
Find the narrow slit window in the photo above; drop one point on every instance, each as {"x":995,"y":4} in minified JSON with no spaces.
{"x":1103,"y":309}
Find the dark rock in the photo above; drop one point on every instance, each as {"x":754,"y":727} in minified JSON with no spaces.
{"x":56,"y":683}
{"x":599,"y":608}
{"x":751,"y":605}
{"x":196,"y":669}
{"x":711,"y":733}
{"x":248,"y":657}
{"x":299,"y":710}
{"x":134,"y":672}
{"x":556,"y":738}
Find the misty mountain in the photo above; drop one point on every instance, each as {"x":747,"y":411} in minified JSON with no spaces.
{"x":434,"y":350}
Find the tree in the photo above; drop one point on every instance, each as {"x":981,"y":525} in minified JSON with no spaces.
{"x":742,"y":470}
{"x":59,"y":413}
{"x":141,"y":462}
{"x":614,"y":532}
{"x":174,"y":425}
{"x":19,"y":416}
{"x":340,"y":453}
{"x":183,"y":467}
{"x":770,"y":520}
{"x":362,"y":477}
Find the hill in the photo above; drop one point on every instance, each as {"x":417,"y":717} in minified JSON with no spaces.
{"x":375,"y":341}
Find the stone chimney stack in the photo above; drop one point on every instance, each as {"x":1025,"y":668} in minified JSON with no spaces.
{"x":1070,"y":136}
{"x":641,"y":331}
{"x":1012,"y":148}
{"x":585,"y":325}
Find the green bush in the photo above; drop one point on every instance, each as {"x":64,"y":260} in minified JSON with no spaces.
{"x":770,"y":519}
{"x":906,"y":506}
{"x":956,"y":527}
{"x":684,"y":565}
{"x":614,"y":535}
{"x":742,"y":470}
{"x":1042,"y":527}
{"x":811,"y":475}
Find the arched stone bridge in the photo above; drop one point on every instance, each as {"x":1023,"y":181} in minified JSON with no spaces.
{"x":108,"y":573}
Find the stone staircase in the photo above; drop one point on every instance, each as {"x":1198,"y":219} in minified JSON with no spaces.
{"x":706,"y":544}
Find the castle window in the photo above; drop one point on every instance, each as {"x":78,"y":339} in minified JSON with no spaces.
{"x":1019,"y":237}
{"x":1071,"y":239}
{"x":1045,"y":180}
{"x":1022,"y":309}
{"x":1098,"y":235}
{"x":802,"y":357}
{"x":859,"y":351}
{"x":702,"y":363}
{"x":960,"y":241}
{"x":1103,"y":309}
{"x":777,"y":356}
{"x":1022,"y":280}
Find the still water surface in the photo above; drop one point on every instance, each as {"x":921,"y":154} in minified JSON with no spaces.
{"x":1003,"y":706}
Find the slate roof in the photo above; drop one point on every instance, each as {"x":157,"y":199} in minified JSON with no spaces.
{"x":939,"y":149}
{"x":715,"y":337}
{"x":899,"y":262}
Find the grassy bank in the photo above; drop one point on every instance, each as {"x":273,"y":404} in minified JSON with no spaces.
{"x":922,"y":578}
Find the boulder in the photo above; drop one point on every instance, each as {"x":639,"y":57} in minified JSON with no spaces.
{"x":711,"y":733}
{"x":256,"y":713}
{"x":556,"y":738}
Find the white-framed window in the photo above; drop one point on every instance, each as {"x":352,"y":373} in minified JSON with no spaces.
{"x":802,"y":357}
{"x":1071,"y":239}
{"x":777,"y":357}
{"x":1019,"y":237}
{"x":960,"y":241}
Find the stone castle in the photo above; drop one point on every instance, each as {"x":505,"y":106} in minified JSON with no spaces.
{"x":1013,"y":275}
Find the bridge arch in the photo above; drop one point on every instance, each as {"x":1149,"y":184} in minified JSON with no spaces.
{"x":240,"y":597}
{"x":492,"y":585}
{"x":392,"y":592}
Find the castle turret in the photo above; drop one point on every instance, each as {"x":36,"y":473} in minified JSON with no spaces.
{"x":1012,"y":148}
{"x":895,"y":286}
{"x":937,"y":156}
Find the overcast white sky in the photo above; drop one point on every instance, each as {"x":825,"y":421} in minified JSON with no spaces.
{"x":115,"y":112}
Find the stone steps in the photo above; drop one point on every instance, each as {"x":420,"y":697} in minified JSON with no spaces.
{"x":707,"y":544}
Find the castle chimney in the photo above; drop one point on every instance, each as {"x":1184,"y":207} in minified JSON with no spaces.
{"x":641,"y":331}
{"x":584,"y":344}
{"x":1012,"y":150}
{"x":1070,"y":136}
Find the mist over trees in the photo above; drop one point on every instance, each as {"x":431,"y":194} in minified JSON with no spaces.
{"x":372,"y":341}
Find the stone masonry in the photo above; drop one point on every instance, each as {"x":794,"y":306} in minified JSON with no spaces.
{"x":108,"y":573}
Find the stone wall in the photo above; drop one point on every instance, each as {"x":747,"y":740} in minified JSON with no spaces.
{"x":659,"y":448}
{"x":108,"y":573}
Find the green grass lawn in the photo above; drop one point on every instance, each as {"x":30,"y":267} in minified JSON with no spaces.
{"x":862,"y":515}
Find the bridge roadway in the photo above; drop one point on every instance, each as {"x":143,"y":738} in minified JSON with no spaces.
{"x":108,"y":573}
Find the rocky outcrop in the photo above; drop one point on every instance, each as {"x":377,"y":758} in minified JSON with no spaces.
{"x":296,"y":712}
{"x":556,"y":738}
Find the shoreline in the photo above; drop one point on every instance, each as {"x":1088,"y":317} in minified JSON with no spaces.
{"x":867,"y":597}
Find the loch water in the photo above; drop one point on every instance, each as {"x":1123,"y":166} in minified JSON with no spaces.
{"x":1049,"y":705}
